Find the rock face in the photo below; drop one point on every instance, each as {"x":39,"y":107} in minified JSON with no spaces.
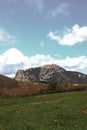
{"x":50,"y":74}
{"x":21,"y":75}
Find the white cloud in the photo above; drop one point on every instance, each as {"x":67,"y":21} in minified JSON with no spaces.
{"x":75,"y":63}
{"x":62,"y":9}
{"x":71,"y":36}
{"x":6,"y":37}
{"x":39,"y":4}
{"x":13,"y":59}
{"x":39,"y":60}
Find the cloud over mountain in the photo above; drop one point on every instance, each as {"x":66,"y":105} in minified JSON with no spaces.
{"x":10,"y":61}
{"x":13,"y":59}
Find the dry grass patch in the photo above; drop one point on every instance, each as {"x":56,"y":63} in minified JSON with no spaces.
{"x":24,"y":110}
{"x":85,"y":111}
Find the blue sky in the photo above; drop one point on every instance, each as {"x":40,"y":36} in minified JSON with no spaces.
{"x":37,"y":32}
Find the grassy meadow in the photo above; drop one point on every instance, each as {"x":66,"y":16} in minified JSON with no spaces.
{"x":60,"y":111}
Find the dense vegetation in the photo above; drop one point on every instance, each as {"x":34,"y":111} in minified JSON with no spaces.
{"x":12,"y":88}
{"x":60,"y":111}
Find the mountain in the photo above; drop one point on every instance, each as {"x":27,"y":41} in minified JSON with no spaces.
{"x":50,"y":74}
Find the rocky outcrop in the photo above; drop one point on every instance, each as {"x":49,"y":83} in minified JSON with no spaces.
{"x":21,"y":75}
{"x":50,"y":74}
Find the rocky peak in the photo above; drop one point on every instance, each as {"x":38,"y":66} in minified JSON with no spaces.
{"x":50,"y":74}
{"x":53,"y":66}
{"x":21,"y":75}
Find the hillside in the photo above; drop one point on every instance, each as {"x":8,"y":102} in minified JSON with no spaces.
{"x":50,"y":74}
{"x":7,"y":82}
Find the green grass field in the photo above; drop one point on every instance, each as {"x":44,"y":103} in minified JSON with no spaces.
{"x":60,"y":111}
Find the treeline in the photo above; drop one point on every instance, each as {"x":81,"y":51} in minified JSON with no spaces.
{"x":66,"y":86}
{"x":29,"y":88}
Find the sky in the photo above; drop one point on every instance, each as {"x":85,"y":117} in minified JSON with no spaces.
{"x":38,"y":32}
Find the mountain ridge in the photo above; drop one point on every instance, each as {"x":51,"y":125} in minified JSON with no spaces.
{"x":50,"y":73}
